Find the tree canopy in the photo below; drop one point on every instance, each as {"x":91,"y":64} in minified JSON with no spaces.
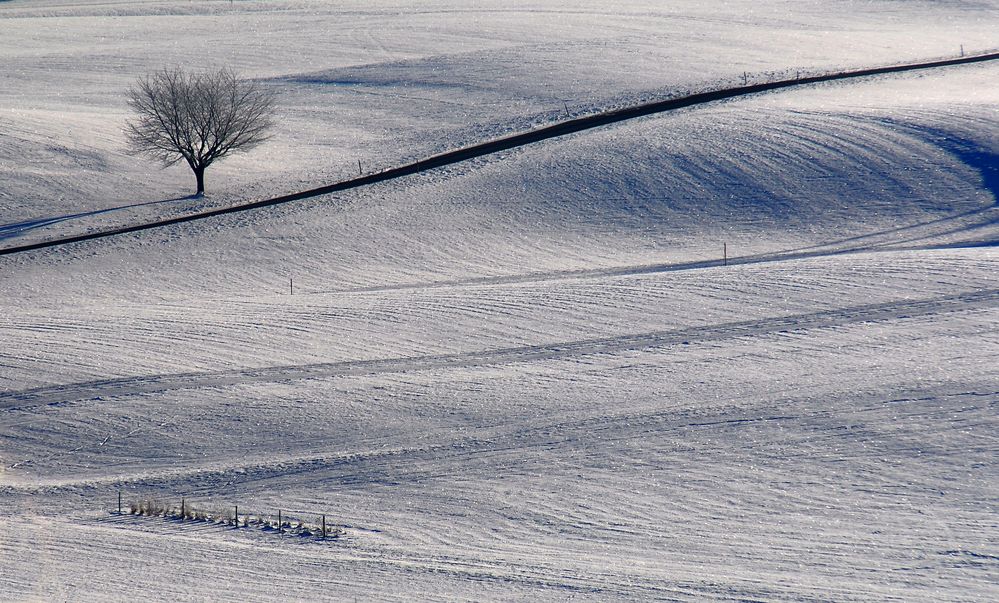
{"x":198,"y":117}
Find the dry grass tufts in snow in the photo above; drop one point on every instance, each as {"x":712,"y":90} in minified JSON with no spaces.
{"x":224,"y":515}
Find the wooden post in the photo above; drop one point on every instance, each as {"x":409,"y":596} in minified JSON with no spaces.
{"x":725,"y":253}
{"x":183,"y":505}
{"x":566,"y":105}
{"x":280,"y":525}
{"x":291,"y":286}
{"x":745,"y":78}
{"x":962,"y":50}
{"x":119,"y":501}
{"x":235,"y":515}
{"x":359,"y":172}
{"x":324,"y":527}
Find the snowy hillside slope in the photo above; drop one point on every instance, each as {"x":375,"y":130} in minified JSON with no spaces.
{"x":808,"y":171}
{"x":389,"y":83}
{"x":848,"y":462}
{"x":527,"y":377}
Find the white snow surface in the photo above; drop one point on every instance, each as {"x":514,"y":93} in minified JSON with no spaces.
{"x":531,"y":376}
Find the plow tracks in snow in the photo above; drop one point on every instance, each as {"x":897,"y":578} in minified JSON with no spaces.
{"x":128,"y":386}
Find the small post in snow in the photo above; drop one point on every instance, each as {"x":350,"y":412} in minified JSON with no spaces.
{"x":235,"y":515}
{"x":291,"y":285}
{"x":324,"y":527}
{"x":119,"y":501}
{"x":725,"y":254}
{"x":745,"y":78}
{"x":280,"y":525}
{"x":359,"y":172}
{"x":962,"y":50}
{"x":183,"y":504}
{"x":566,"y":105}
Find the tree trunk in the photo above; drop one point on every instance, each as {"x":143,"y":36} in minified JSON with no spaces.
{"x":199,"y":173}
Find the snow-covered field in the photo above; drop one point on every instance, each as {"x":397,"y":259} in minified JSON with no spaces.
{"x":524,"y":377}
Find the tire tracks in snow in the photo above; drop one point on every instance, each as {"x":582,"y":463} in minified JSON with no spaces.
{"x":821,"y":250}
{"x":479,"y":568}
{"x":131,"y":386}
{"x":571,"y":126}
{"x":499,"y":446}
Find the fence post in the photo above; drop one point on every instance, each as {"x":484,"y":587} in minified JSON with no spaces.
{"x":183,"y":508}
{"x":359,"y":172}
{"x":235,"y":515}
{"x":324,"y":527}
{"x":725,"y":254}
{"x":280,"y":525}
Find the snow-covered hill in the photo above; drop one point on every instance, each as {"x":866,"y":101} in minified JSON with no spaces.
{"x":531,"y":376}
{"x":381,"y":82}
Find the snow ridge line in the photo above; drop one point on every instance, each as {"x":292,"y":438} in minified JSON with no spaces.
{"x":557,"y":130}
{"x":839,"y":317}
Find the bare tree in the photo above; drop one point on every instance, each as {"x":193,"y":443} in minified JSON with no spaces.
{"x":197,"y":117}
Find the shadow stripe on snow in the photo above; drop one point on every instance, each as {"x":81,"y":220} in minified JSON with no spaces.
{"x":347,"y":469}
{"x":62,"y":394}
{"x":571,"y":126}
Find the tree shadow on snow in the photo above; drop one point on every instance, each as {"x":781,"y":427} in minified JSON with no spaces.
{"x":16,"y":229}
